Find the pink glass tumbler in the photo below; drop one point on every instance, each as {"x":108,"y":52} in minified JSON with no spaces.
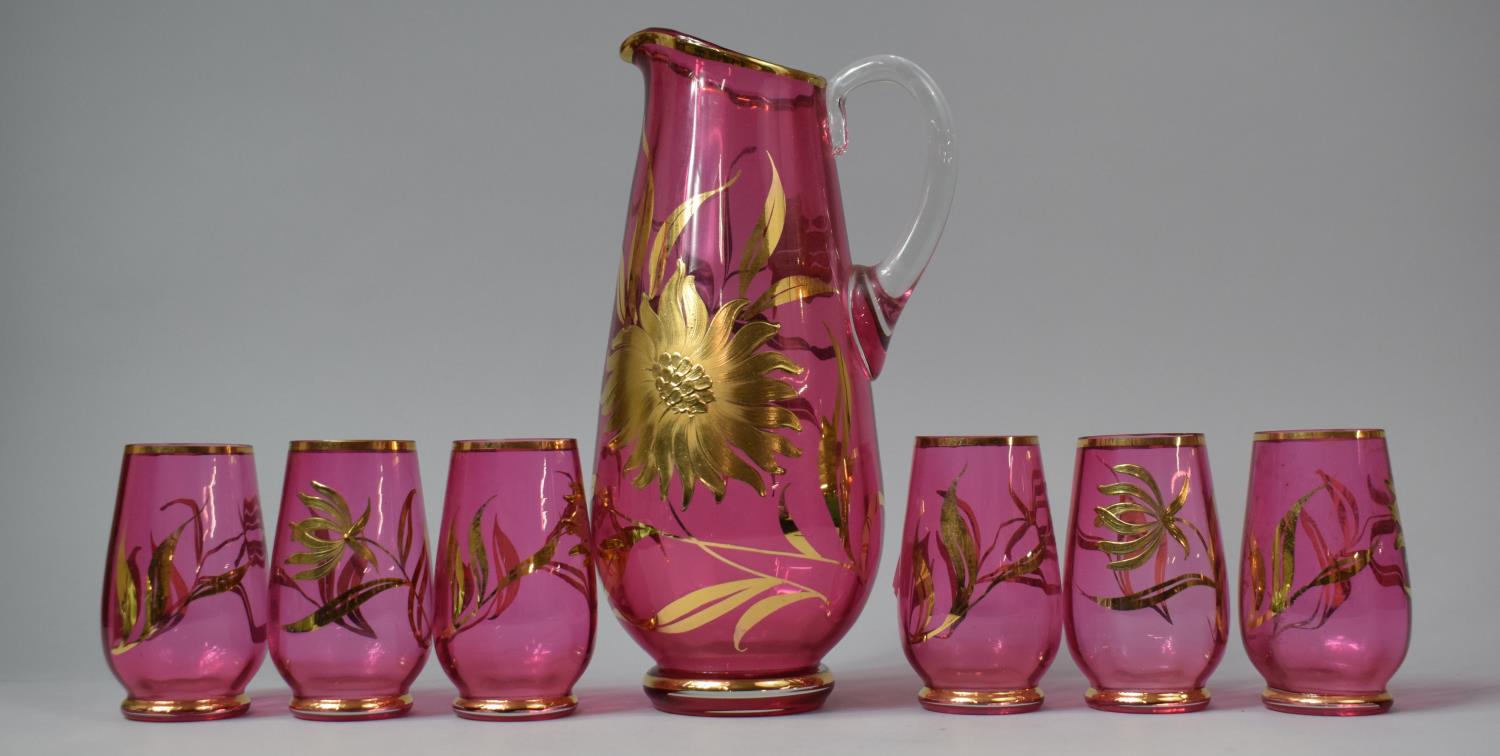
{"x":185,"y":585}
{"x":977,"y":586}
{"x":350,"y":591}
{"x":515,"y":585}
{"x":1147,"y":608}
{"x":1325,"y":601}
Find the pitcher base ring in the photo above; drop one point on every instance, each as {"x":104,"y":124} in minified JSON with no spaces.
{"x":738,"y":696}
{"x":345,"y":709}
{"x":948,"y":701}
{"x":1326,"y":704}
{"x":162,"y":710}
{"x":1148,"y":701}
{"x":514,"y":709}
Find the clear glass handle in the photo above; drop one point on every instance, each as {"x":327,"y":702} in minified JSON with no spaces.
{"x":877,"y":295}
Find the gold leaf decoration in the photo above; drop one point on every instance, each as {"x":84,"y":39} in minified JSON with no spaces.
{"x":1257,"y":573}
{"x":1140,"y":517}
{"x":159,"y":578}
{"x":959,"y":547}
{"x":332,"y":515}
{"x":707,"y":604}
{"x":162,"y":595}
{"x":343,"y":604}
{"x":1156,"y":594}
{"x":785,"y":291}
{"x":127,"y":608}
{"x":793,"y":534}
{"x":1284,"y":554}
{"x":923,"y":592}
{"x":766,"y":234}
{"x":672,"y":228}
{"x":693,"y":394}
{"x":764,"y":608}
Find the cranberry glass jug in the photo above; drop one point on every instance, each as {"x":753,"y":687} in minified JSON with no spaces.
{"x":737,"y":503}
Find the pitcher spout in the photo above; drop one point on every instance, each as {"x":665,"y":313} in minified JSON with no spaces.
{"x":671,"y":39}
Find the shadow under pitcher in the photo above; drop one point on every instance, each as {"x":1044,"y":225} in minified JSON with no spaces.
{"x":737,"y":503}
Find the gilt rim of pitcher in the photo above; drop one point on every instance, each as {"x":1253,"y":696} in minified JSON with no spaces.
{"x":699,"y":48}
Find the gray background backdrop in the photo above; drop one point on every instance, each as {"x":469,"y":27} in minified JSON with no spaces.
{"x":261,"y":221}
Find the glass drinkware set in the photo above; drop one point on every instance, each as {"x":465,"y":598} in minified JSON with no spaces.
{"x":352,"y":607}
{"x":1325,"y":610}
{"x":737,"y":507}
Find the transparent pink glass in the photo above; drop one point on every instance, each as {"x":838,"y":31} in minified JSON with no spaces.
{"x":350,"y":588}
{"x":1325,"y":599}
{"x":1147,"y":606}
{"x":737,"y":486}
{"x":184,"y":615}
{"x":515,"y":585}
{"x":977,"y":587}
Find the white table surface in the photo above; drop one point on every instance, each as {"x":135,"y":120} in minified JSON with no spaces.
{"x":873,"y":711}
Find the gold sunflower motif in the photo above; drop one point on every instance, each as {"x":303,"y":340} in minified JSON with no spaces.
{"x":693,"y":393}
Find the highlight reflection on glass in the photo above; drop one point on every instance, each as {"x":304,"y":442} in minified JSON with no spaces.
{"x":1325,"y":597}
{"x":1147,"y":609}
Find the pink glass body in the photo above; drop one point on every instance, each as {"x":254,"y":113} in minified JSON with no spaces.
{"x":1009,"y":618}
{"x":362,"y":661}
{"x":184,"y":587}
{"x":1148,"y":637}
{"x":705,"y":122}
{"x":1333,"y":620}
{"x":515,"y":586}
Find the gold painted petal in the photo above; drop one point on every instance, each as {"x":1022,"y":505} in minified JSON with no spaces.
{"x":1141,"y":474}
{"x":772,"y":416}
{"x":1112,"y":517}
{"x":1127,"y":490}
{"x":748,"y":339}
{"x":753,"y":368}
{"x":720,"y":331}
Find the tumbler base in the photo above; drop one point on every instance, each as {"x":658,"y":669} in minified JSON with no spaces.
{"x":1148,"y":701}
{"x":738,"y":696}
{"x":1326,"y":704}
{"x":948,"y":701}
{"x":514,"y":709}
{"x":195,"y":710}
{"x":345,"y":709}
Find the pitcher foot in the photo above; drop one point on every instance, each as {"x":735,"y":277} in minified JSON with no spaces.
{"x":738,"y":696}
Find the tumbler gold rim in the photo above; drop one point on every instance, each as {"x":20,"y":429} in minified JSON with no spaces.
{"x":945,"y":442}
{"x":187,"y":449}
{"x":709,"y":51}
{"x":1141,"y":441}
{"x":515,"y":444}
{"x":353,"y":445}
{"x":1321,"y":434}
